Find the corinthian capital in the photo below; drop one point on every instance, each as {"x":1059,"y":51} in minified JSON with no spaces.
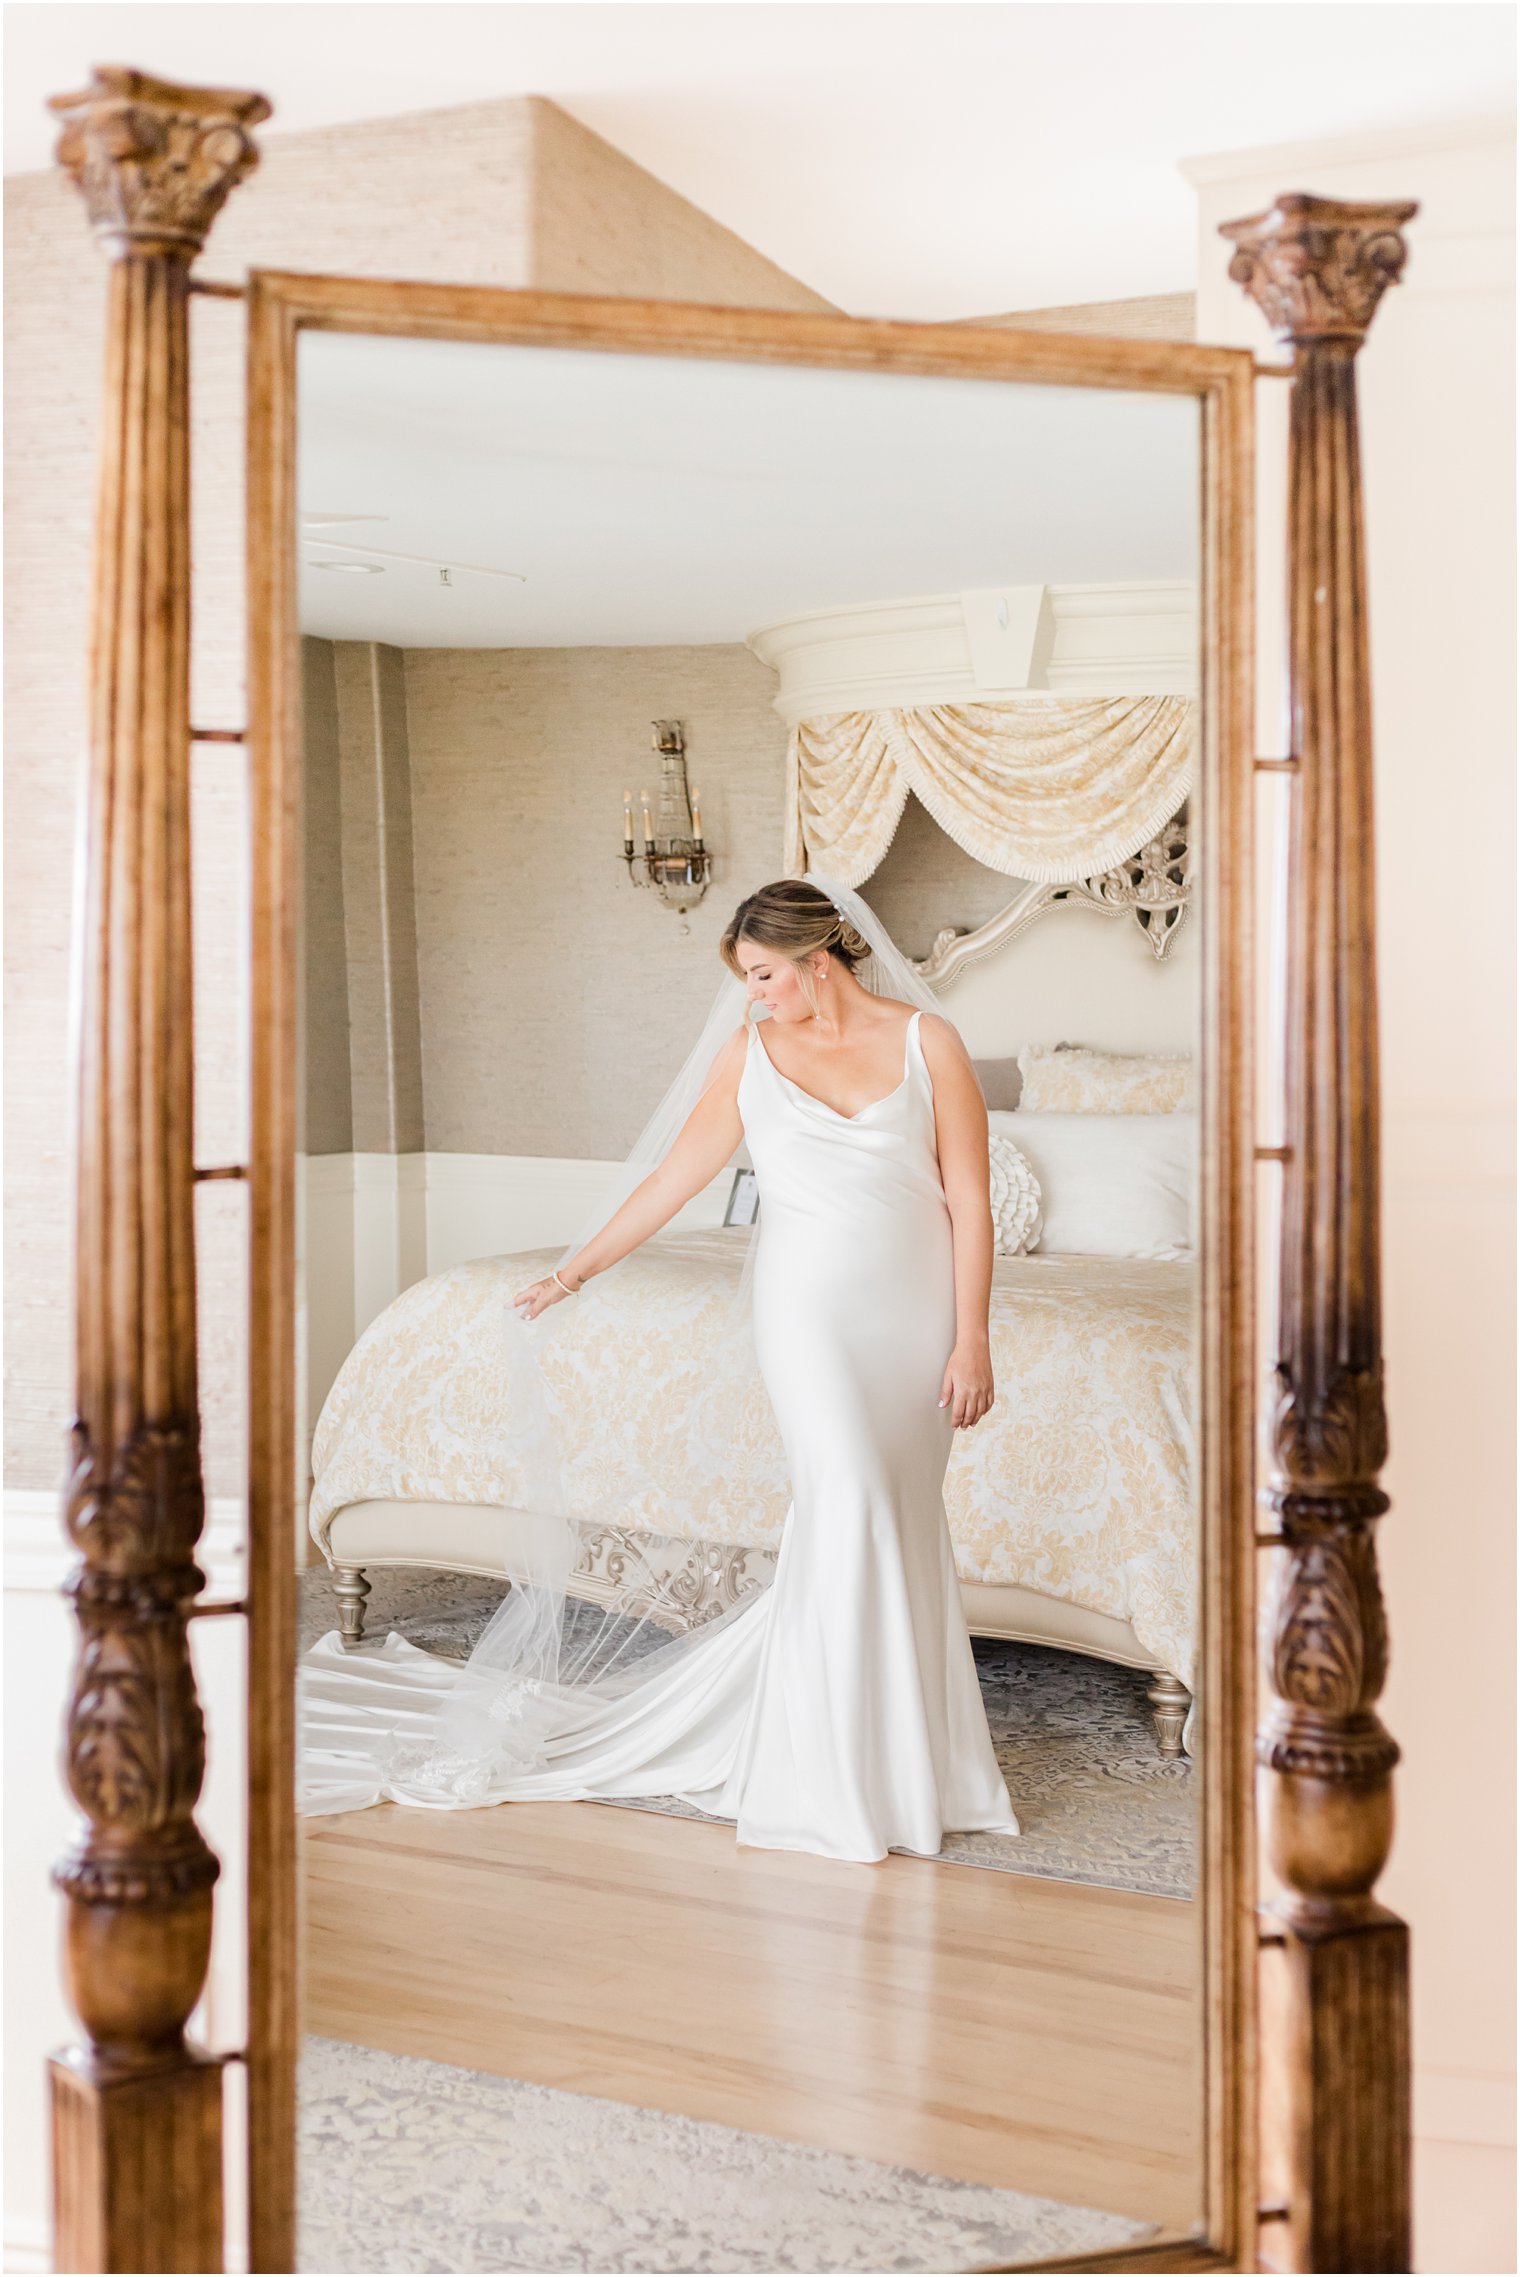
{"x":1317,"y":267}
{"x":154,"y":162}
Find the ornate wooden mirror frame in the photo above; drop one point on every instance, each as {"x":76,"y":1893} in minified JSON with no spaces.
{"x":137,"y":2107}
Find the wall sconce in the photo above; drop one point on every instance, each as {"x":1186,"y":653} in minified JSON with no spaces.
{"x":675,"y":862}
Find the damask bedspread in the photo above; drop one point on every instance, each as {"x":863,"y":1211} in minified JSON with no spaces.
{"x":1078,"y":1484}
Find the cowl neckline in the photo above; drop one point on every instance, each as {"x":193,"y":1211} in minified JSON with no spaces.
{"x":822,"y":1104}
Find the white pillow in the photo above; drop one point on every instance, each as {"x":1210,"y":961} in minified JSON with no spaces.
{"x":1110,"y":1185}
{"x":1015,"y":1193}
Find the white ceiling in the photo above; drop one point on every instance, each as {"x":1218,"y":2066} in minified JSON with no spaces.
{"x":661,"y":499}
{"x":904,"y":159}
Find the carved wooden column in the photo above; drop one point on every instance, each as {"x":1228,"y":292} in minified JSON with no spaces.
{"x":1317,"y":268}
{"x":137,"y":2109}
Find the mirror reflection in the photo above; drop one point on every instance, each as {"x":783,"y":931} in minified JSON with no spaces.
{"x":751,"y":1616}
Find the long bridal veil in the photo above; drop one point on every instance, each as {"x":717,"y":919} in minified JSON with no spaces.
{"x":607,"y":1522}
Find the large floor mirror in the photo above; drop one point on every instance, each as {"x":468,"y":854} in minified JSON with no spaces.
{"x":777,"y":1691}
{"x":583,"y":626}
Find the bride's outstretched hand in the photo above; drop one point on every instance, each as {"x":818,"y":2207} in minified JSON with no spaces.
{"x":967,"y":1389}
{"x":537,"y":1297}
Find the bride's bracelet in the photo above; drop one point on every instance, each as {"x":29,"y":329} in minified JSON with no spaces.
{"x":554,"y":1276}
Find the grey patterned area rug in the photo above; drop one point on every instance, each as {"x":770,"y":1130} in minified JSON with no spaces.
{"x":1096,"y":1800}
{"x":411,"y":2165}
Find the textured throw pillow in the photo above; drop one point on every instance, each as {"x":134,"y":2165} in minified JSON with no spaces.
{"x":1069,"y":1079}
{"x":1016,"y":1216}
{"x":1110,"y":1185}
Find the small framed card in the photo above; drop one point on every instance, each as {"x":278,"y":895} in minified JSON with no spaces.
{"x":744,"y":1199}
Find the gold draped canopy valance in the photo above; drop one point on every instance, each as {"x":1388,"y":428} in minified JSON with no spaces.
{"x":1049,"y":788}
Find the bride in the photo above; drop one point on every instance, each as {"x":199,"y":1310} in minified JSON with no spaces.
{"x":838,"y":1710}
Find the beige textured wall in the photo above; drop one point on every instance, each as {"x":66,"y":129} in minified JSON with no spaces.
{"x":553,"y":998}
{"x":496,"y":193}
{"x":556,"y":997}
{"x":327,"y":1125}
{"x":1158,"y":316}
{"x":379,"y":898}
{"x":587,"y":229}
{"x":925,"y":880}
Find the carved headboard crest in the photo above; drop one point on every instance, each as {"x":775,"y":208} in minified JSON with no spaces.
{"x":1153,"y":887}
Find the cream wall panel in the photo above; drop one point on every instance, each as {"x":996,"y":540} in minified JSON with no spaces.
{"x":328,"y":1276}
{"x":1437,"y":420}
{"x":1077,"y":978}
{"x":485,"y":1205}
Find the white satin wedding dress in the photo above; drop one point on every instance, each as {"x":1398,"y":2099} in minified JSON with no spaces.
{"x":839,"y":1710}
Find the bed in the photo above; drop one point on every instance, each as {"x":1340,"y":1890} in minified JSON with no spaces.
{"x":1070,"y":1505}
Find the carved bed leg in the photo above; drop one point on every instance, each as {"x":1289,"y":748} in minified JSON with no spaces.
{"x":1170,"y":1701}
{"x":350,"y":1587}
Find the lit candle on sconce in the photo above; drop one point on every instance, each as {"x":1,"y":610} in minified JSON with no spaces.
{"x":627,"y":822}
{"x":696,"y":816}
{"x":648,"y":833}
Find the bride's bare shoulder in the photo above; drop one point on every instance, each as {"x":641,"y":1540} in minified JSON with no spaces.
{"x":942,"y":1041}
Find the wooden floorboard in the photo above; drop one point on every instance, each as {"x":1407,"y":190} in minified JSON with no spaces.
{"x":1040,"y":2035}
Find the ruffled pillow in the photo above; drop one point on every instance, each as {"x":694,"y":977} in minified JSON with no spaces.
{"x":1016,"y":1211}
{"x":1070,"y":1079}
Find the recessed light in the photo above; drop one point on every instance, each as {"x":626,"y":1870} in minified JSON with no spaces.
{"x":350,"y":568}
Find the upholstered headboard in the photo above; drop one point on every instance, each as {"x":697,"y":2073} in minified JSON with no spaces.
{"x":1000,"y":1081}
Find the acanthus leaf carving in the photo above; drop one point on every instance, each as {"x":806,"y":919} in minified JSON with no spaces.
{"x":149,"y":1512}
{"x":154,"y":161}
{"x":1335,"y":1436}
{"x":1317,"y":267}
{"x":136,"y":1744}
{"x":1329,"y":1648}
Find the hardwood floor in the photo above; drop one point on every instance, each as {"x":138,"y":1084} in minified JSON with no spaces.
{"x":1034,"y":2034}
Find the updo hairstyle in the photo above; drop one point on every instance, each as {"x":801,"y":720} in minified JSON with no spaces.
{"x":793,"y":920}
